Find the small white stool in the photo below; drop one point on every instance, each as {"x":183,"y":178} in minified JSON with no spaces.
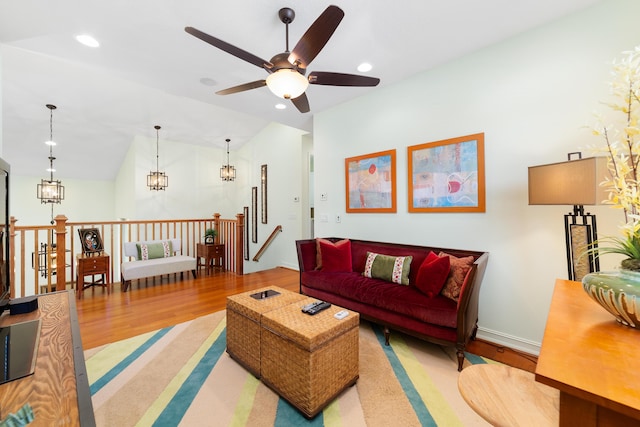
{"x":509,"y":397}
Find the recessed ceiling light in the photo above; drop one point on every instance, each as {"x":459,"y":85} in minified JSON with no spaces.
{"x":280,"y":107}
{"x":207,"y":81}
{"x":87,"y":40}
{"x":364,"y":67}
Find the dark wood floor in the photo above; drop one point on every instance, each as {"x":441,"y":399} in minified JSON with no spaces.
{"x":156,"y":303}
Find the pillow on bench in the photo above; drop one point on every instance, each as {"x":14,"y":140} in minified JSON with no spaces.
{"x":154,"y":250}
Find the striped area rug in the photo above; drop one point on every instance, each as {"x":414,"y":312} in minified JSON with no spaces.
{"x":181,"y":375}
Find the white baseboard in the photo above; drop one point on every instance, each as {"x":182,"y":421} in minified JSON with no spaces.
{"x":290,"y":266}
{"x":510,"y":341}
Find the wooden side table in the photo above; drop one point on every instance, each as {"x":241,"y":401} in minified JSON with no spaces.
{"x":212,"y":254}
{"x":591,"y":359}
{"x":92,"y":265}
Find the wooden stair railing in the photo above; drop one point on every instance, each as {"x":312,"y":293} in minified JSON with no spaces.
{"x":266,"y":244}
{"x":58,"y":257}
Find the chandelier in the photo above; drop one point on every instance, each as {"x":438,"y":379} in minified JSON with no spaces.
{"x":50,"y":190}
{"x":227,"y":172}
{"x":157,"y":180}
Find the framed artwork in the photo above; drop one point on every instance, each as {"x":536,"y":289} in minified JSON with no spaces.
{"x":447,"y":175}
{"x":254,"y":214}
{"x":263,"y":192}
{"x":371,"y":182}
{"x":246,"y":232}
{"x":90,"y":240}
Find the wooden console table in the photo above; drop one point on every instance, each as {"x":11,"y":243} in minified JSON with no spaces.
{"x":58,"y":390}
{"x":92,"y":265}
{"x":592,"y":359}
{"x":212,"y":254}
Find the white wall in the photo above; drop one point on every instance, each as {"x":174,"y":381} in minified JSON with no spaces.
{"x":84,"y":201}
{"x":280,"y":148}
{"x":531,"y":96}
{"x":195,"y":189}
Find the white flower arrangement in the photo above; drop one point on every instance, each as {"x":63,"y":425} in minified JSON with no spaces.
{"x":622,"y":147}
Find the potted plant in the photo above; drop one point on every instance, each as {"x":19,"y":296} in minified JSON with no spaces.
{"x":209,"y":236}
{"x":618,"y":290}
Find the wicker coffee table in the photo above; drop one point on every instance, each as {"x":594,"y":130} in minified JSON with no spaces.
{"x":243,"y":323}
{"x":309,"y":360}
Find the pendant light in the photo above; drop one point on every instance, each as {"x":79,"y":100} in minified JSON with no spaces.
{"x":227,"y":172}
{"x":50,"y":190}
{"x":157,"y":180}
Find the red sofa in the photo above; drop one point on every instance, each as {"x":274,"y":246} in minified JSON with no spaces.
{"x":438,"y":319}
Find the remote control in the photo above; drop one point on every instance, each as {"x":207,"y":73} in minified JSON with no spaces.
{"x":341,"y":314}
{"x":318,"y":308}
{"x":308,"y":307}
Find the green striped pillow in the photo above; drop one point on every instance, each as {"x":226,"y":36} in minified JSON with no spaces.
{"x":390,"y":268}
{"x":154,"y":250}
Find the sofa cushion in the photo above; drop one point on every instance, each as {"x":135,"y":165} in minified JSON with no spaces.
{"x":148,"y":251}
{"x":432,"y":274}
{"x":459,"y":269}
{"x":335,"y":257}
{"x":406,"y":300}
{"x":390,"y":268}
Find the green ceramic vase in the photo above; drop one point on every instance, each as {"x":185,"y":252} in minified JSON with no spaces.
{"x":618,"y":292}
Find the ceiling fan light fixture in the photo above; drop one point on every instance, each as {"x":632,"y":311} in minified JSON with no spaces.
{"x":287,"y":83}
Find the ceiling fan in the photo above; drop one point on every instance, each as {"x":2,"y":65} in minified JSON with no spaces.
{"x":287,"y":70}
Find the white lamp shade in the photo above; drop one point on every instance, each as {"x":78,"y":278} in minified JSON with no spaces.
{"x":287,"y":83}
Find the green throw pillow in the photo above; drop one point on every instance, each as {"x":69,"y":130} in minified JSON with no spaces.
{"x":390,"y":268}
{"x":155,"y":250}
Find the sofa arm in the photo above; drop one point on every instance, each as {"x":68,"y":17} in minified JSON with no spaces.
{"x":306,"y":254}
{"x":469,"y":299}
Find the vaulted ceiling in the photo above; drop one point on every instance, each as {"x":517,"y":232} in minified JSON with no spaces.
{"x":149,"y":71}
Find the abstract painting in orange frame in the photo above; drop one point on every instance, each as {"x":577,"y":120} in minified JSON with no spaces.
{"x":447,"y":175}
{"x":371,"y":183}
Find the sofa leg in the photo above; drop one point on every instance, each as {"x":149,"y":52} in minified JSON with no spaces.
{"x":193,"y":272}
{"x":387,"y":335}
{"x":125,"y":285}
{"x":460,"y":354}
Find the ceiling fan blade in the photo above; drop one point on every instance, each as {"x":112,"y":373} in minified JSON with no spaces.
{"x":341,"y":79}
{"x":242,"y":87}
{"x":229,"y":48}
{"x":316,"y":36}
{"x":301,"y":103}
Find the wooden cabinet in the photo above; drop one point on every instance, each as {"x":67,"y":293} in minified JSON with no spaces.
{"x":92,"y":265}
{"x":213,"y":256}
{"x":58,"y":390}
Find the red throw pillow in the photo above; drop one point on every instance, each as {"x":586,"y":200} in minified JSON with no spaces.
{"x":459,"y":269}
{"x":335,"y":257}
{"x":432,"y":274}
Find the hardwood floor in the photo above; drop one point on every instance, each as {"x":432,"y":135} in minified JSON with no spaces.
{"x":155,"y":303}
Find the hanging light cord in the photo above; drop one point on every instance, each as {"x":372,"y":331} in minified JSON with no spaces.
{"x":51,"y":158}
{"x":157,"y":155}
{"x":228,"y":153}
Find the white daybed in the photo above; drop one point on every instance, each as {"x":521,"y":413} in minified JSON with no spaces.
{"x":142,"y":268}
